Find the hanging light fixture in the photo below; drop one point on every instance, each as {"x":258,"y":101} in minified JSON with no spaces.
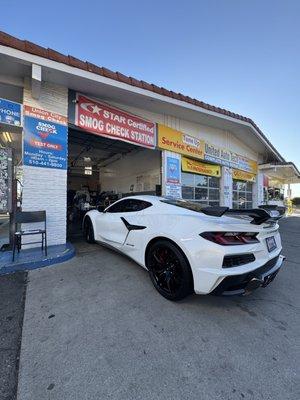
{"x":7,"y":137}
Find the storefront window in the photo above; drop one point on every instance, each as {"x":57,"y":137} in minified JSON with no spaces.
{"x":242,"y":194}
{"x":201,"y":188}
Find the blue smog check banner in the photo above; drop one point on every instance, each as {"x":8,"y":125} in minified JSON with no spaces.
{"x":10,"y":112}
{"x":45,"y":139}
{"x":173,"y":170}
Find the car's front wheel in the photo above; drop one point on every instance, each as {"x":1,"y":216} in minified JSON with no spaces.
{"x":88,"y":231}
{"x":169,"y":270}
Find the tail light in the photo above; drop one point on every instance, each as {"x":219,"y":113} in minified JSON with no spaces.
{"x":231,"y":238}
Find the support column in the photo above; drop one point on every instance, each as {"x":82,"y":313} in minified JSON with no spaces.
{"x":46,"y":188}
{"x":226,"y":187}
{"x":289,"y":191}
{"x":258,"y":190}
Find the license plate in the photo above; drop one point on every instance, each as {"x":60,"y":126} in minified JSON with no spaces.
{"x":271,"y":243}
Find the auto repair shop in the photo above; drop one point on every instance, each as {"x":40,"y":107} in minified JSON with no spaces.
{"x":101,"y":168}
{"x":90,"y":136}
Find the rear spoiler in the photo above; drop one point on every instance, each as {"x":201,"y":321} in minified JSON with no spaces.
{"x":271,"y":207}
{"x":258,"y":215}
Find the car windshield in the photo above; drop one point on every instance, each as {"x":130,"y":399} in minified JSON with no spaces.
{"x":189,"y":205}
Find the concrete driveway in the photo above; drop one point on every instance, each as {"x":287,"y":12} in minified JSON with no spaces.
{"x":95,"y":328}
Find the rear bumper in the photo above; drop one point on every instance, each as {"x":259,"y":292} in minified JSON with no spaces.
{"x":246,"y":283}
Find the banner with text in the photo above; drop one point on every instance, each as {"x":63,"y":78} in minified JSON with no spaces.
{"x":228,"y":158}
{"x":104,"y":120}
{"x":197,"y":167}
{"x":243,"y":176}
{"x":179,"y":142}
{"x":182,"y":143}
{"x":45,"y":139}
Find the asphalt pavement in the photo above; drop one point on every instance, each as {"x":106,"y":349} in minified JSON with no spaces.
{"x":95,"y":328}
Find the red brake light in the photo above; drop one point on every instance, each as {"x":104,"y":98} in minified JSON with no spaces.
{"x":231,"y":238}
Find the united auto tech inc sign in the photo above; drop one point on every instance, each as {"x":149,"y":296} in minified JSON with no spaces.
{"x":104,"y":120}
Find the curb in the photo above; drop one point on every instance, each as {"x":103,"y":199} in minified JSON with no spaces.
{"x":32,"y":259}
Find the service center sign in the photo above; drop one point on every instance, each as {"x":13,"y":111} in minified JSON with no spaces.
{"x":45,"y":139}
{"x":104,"y":120}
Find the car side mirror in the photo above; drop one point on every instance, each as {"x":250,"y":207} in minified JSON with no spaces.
{"x":101,"y":208}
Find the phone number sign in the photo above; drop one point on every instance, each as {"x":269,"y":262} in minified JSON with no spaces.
{"x":45,"y":139}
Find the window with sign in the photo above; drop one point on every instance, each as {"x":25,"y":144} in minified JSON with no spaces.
{"x":242,"y":194}
{"x":201,"y":188}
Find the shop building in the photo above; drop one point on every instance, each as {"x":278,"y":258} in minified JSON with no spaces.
{"x":85,"y":132}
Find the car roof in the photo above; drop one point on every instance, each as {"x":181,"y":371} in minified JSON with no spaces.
{"x":146,"y":197}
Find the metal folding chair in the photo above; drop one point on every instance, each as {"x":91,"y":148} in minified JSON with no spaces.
{"x":26,"y":217}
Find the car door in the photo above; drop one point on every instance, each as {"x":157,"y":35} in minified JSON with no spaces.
{"x":111,"y":227}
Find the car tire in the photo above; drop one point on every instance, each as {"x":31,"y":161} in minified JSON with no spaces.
{"x":171,"y":276}
{"x":89,"y":231}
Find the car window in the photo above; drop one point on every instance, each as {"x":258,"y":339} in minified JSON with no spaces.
{"x":189,"y":205}
{"x":129,"y":205}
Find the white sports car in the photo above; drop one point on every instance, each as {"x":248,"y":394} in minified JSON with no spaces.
{"x":190,"y":248}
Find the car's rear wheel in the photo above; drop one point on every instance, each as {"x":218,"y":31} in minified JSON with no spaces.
{"x":88,"y":231}
{"x":169,"y":270}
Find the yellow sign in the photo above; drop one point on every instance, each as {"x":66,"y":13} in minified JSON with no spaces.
{"x":197,"y":167}
{"x":179,"y":142}
{"x":243,"y":176}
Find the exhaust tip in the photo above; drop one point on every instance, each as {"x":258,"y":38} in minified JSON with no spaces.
{"x":253,"y":284}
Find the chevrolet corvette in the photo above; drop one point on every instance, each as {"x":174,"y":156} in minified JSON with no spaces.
{"x":190,"y":248}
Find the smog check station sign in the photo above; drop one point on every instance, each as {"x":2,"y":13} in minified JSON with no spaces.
{"x":104,"y":120}
{"x":45,"y":139}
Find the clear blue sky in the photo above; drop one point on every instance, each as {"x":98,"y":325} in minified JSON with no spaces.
{"x":239,"y":55}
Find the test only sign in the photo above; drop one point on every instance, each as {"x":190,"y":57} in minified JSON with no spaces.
{"x":10,"y":112}
{"x":105,"y":120}
{"x":45,"y":139}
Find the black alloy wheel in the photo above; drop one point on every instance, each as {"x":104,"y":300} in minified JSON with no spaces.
{"x":169,"y":270}
{"x":89,"y":231}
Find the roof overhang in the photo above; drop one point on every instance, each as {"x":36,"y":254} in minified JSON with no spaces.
{"x":285,"y":172}
{"x":16,"y":64}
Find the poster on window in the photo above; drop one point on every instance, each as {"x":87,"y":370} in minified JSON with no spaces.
{"x":45,"y":139}
{"x":5,"y":179}
{"x":173,"y":191}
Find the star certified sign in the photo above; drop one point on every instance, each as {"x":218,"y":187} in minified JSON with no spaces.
{"x":91,"y":107}
{"x":105,"y":120}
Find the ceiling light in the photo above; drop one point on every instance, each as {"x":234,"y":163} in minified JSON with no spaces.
{"x":7,"y":137}
{"x":88,"y":171}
